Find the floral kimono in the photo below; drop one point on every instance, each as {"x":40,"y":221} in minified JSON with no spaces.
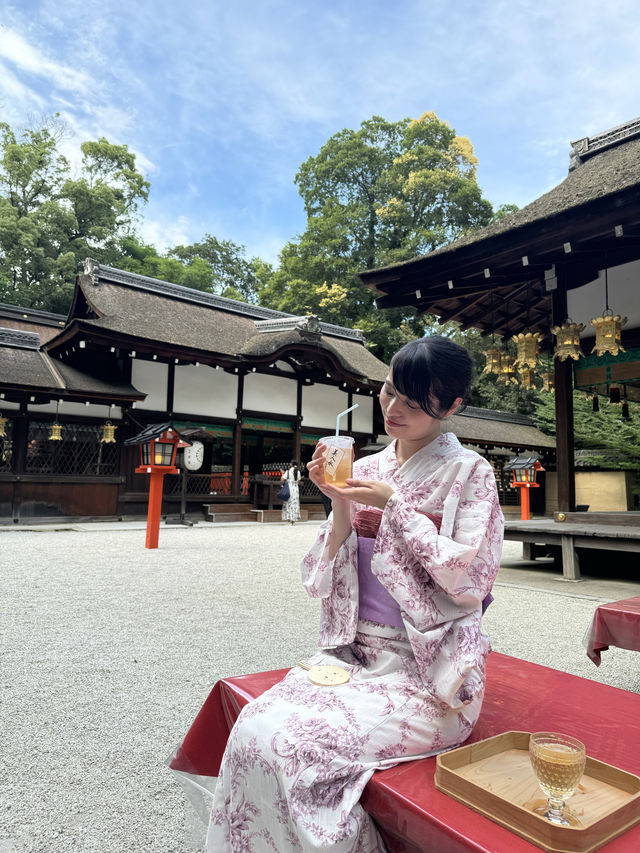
{"x":300,"y":755}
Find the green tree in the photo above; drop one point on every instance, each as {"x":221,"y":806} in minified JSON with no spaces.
{"x":232,"y":274}
{"x":605,"y":430}
{"x":212,"y":265}
{"x":49,"y":221}
{"x":144,"y":259}
{"x":374,"y":196}
{"x":504,"y":210}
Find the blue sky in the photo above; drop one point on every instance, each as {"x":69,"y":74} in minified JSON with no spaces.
{"x":222,"y":101}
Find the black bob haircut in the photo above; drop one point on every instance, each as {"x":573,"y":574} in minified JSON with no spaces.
{"x":433,"y":372}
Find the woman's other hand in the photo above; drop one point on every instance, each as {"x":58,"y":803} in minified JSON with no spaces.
{"x":368,"y":492}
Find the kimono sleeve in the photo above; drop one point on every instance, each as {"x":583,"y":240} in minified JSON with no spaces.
{"x":336,"y":583}
{"x":462,"y":559}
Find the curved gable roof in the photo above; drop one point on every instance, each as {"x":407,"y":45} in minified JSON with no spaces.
{"x":154,"y":312}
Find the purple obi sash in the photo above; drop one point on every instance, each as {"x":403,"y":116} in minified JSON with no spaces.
{"x":374,"y":602}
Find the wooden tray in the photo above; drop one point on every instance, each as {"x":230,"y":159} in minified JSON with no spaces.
{"x":494,"y":777}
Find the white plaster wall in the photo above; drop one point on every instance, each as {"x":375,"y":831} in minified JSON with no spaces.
{"x":321,"y":404}
{"x":6,"y":406}
{"x":586,"y":302}
{"x":150,"y":377}
{"x":65,"y":408}
{"x":203,"y":390}
{"x":362,"y":417}
{"x":264,"y":393}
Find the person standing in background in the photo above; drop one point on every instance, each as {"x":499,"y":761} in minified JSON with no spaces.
{"x":291,"y":507}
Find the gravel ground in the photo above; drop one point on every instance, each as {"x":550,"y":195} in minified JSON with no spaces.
{"x":109,"y":650}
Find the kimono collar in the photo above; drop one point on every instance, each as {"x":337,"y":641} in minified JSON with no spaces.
{"x":446,"y":444}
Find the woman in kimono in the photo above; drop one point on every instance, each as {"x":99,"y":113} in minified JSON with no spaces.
{"x":291,"y":507}
{"x":402,"y":567}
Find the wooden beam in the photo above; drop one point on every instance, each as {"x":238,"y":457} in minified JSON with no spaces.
{"x":433,"y":293}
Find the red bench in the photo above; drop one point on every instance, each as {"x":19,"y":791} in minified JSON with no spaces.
{"x":411,"y":814}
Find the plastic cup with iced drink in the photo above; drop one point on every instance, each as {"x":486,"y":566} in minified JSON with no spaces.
{"x":338,"y":459}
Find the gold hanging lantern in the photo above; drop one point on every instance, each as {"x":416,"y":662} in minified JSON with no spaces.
{"x":108,"y":433}
{"x":568,"y":340}
{"x":527,"y":377}
{"x":3,"y":426}
{"x":493,"y":356}
{"x":507,"y":373}
{"x":608,"y":330}
{"x":55,"y":432}
{"x":528,"y":344}
{"x":548,"y":381}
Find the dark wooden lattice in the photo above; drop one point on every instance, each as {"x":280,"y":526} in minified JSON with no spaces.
{"x":79,"y":453}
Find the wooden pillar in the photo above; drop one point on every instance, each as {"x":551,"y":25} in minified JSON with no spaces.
{"x":564,"y":436}
{"x":236,"y":465}
{"x":171,"y":384}
{"x":18,"y":458}
{"x":564,"y":401}
{"x":297,"y":430}
{"x":128,"y":459}
{"x":570,"y":561}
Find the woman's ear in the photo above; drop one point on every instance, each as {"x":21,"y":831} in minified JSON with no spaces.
{"x":455,"y":405}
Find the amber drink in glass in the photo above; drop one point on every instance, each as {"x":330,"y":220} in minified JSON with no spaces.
{"x":558,"y":763}
{"x":338,"y":459}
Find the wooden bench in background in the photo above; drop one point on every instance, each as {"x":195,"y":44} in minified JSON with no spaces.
{"x":608,"y":531}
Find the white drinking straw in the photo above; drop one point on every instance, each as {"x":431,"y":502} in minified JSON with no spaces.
{"x":346,"y":412}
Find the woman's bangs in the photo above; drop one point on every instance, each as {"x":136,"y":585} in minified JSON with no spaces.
{"x":411,"y":377}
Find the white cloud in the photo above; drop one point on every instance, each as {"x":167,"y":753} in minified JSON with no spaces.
{"x":16,"y":50}
{"x":17,"y":98}
{"x":165,"y":234}
{"x":222,"y":102}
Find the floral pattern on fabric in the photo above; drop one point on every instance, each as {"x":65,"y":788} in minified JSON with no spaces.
{"x":439,"y":578}
{"x":299,"y":756}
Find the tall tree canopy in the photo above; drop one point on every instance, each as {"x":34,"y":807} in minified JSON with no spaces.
{"x":50,"y":221}
{"x":375,"y":196}
{"x":215,"y":266}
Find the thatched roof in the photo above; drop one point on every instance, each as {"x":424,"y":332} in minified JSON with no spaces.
{"x":486,"y":427}
{"x":26,"y":369}
{"x":45,"y":323}
{"x":494,"y":278}
{"x":150,"y":315}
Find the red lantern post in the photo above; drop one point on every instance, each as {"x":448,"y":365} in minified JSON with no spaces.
{"x":525,"y":470}
{"x":158,"y":445}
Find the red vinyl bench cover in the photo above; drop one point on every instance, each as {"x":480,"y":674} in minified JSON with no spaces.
{"x":411,"y":814}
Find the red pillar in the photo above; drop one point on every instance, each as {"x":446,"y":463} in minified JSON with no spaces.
{"x":524,"y":503}
{"x":155,"y":508}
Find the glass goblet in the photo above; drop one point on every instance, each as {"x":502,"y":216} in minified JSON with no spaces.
{"x":558,"y":763}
